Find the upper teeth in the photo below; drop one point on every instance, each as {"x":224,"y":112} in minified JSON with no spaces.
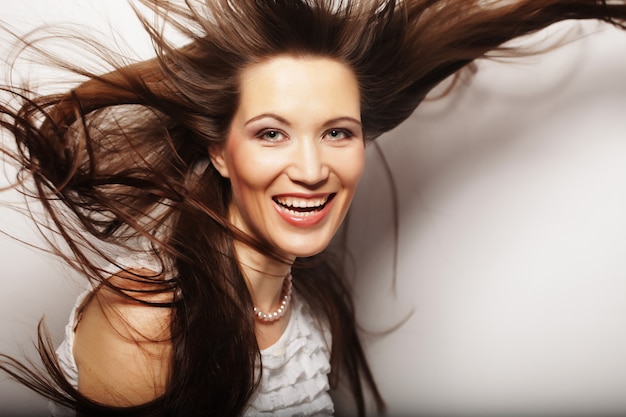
{"x":301,"y":202}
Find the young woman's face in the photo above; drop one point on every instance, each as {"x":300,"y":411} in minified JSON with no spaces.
{"x":295,"y":152}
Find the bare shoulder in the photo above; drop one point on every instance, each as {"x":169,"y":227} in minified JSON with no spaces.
{"x":122,"y":347}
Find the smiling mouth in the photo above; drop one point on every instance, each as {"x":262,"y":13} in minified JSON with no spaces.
{"x":303,"y":206}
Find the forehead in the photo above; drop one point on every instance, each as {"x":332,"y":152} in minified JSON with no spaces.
{"x":299,"y":86}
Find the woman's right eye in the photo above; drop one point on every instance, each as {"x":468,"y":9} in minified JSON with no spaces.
{"x":271,"y":135}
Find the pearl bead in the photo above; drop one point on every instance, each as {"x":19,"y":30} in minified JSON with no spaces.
{"x":275,"y":315}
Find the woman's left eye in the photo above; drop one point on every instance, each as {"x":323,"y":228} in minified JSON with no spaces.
{"x":338,"y":134}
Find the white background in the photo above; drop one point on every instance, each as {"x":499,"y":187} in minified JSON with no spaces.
{"x":512,"y":240}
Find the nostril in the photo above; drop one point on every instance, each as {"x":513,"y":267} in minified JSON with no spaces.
{"x":308,"y":172}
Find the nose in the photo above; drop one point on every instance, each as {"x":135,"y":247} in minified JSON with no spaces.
{"x":308,"y":165}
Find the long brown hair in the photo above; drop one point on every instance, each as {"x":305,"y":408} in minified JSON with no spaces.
{"x":120,"y":164}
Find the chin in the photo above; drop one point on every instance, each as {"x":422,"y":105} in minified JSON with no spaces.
{"x":306,"y":254}
{"x":305,"y":251}
{"x":304,"y":243}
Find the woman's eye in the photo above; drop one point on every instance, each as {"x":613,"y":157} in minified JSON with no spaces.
{"x":271,"y":135}
{"x":338,"y":134}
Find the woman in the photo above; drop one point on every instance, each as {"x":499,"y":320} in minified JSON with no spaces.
{"x":220,"y":170}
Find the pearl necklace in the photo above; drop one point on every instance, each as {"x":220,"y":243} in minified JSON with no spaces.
{"x":273,"y":316}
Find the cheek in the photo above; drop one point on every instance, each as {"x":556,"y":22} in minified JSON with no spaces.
{"x":238,"y":161}
{"x":351,"y":168}
{"x":249,"y":170}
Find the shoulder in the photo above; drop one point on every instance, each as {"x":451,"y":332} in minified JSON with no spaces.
{"x":122,"y":345}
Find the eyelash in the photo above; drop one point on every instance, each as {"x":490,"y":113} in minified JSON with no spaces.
{"x":263,"y":134}
{"x":347,"y":134}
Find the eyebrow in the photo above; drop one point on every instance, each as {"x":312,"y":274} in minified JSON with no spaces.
{"x":343,"y":119}
{"x":286,"y":122}
{"x":270,"y":115}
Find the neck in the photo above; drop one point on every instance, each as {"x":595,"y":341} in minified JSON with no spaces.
{"x":264,"y":276}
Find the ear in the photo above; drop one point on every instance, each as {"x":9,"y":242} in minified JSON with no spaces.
{"x":216,"y":153}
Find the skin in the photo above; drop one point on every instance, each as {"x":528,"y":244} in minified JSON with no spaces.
{"x":121,"y":347}
{"x":295,"y":139}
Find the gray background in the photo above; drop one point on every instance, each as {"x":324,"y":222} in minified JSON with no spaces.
{"x":511,"y":256}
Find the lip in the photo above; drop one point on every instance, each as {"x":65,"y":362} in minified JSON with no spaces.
{"x":309,"y":219}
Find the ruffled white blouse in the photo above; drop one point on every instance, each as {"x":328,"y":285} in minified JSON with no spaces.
{"x":294,"y":380}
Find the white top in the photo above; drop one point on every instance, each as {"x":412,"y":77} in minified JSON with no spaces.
{"x":294,"y":381}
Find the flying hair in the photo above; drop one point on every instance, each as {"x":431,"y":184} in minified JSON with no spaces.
{"x":120,"y":164}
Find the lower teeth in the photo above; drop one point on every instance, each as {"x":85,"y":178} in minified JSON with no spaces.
{"x":301,"y":213}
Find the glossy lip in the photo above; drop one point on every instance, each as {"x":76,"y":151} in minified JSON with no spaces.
{"x":304,"y":220}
